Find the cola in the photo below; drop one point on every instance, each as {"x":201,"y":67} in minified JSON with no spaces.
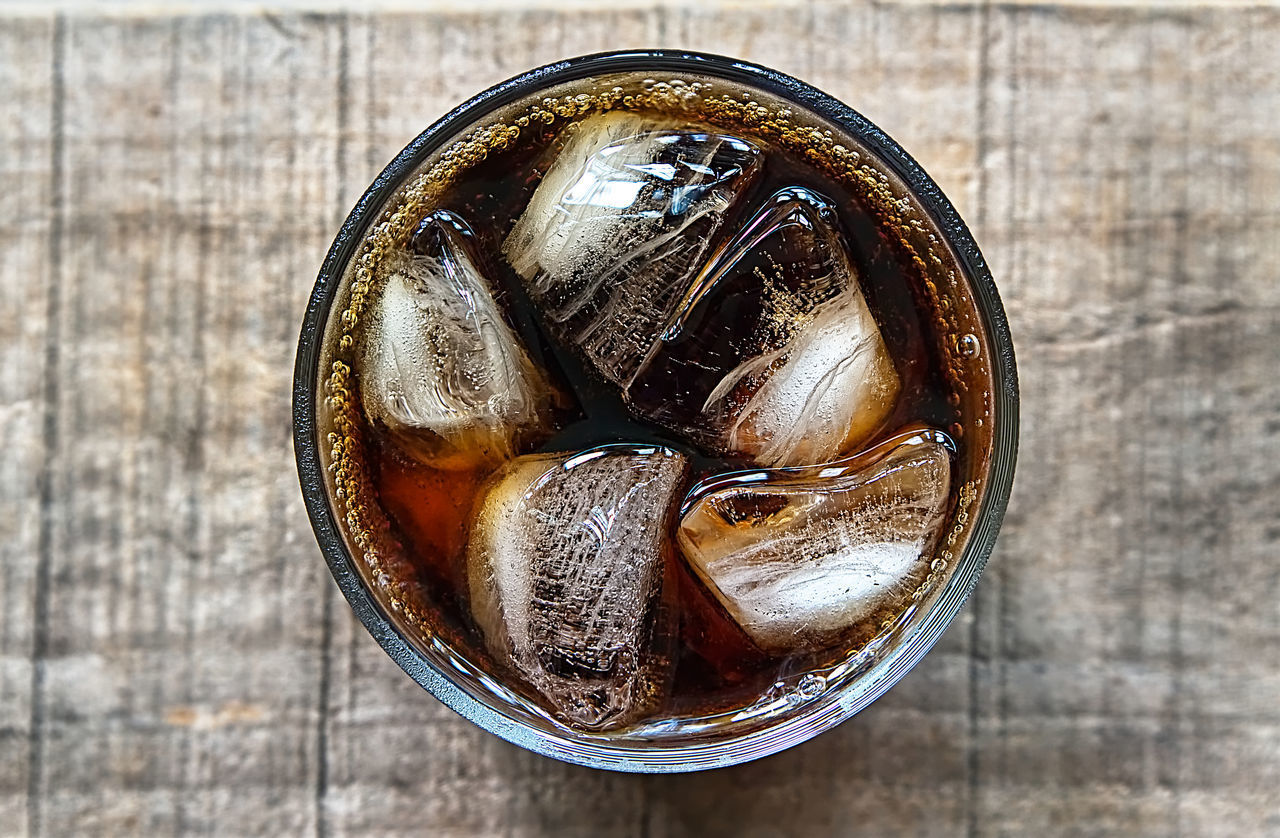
{"x":651,"y":412}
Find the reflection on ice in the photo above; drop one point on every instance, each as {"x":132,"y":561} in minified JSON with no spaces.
{"x":439,"y":366}
{"x":566,"y":562}
{"x":619,"y":223}
{"x":798,"y":556}
{"x":772,"y":352}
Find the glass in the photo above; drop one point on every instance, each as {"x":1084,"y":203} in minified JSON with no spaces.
{"x":974,"y":349}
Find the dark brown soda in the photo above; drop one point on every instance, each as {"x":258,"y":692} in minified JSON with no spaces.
{"x":716,"y":667}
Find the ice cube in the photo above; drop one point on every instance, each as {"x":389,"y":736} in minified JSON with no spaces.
{"x":772,"y":353}
{"x":799,"y":556}
{"x":618,"y":225}
{"x":439,"y":366}
{"x":565,"y":566}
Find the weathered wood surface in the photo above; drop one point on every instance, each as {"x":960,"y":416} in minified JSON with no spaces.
{"x":174,"y":656}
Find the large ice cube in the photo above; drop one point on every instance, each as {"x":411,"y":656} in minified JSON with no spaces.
{"x":566,"y":562}
{"x":799,"y":556}
{"x":439,"y":366}
{"x":619,"y":223}
{"x":772,"y":352}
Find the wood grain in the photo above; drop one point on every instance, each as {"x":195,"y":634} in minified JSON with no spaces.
{"x":174,"y":657}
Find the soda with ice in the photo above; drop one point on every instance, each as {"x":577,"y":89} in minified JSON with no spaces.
{"x":655,"y":417}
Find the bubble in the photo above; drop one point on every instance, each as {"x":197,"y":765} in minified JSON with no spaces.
{"x":969,"y":346}
{"x":811,"y":686}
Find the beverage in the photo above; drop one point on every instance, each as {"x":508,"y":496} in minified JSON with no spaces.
{"x":656,"y":410}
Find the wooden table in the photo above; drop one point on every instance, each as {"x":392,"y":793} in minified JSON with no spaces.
{"x":174,"y":656}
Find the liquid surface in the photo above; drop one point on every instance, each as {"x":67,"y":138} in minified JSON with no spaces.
{"x":759,"y":263}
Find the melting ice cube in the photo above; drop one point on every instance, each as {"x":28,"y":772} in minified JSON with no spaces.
{"x":798,"y":556}
{"x":772,"y":351}
{"x":565,"y":562}
{"x":617,"y":226}
{"x":439,"y":365}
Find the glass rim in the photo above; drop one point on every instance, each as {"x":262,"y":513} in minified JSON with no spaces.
{"x":753,"y":744}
